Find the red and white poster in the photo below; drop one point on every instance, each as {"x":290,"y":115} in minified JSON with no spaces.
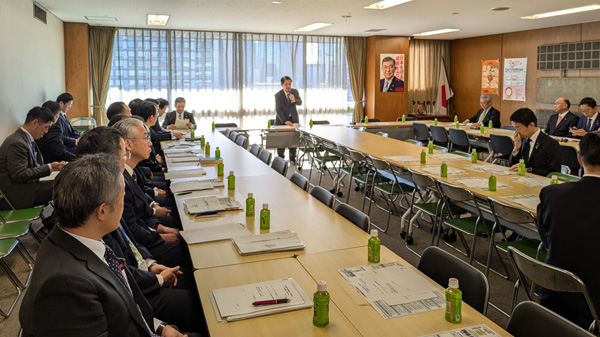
{"x":391,"y":73}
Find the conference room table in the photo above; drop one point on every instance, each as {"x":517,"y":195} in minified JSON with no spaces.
{"x":332,"y":242}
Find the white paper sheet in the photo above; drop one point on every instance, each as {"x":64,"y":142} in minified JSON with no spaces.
{"x":535,"y":181}
{"x":181,"y":123}
{"x":478,"y":183}
{"x":51,"y":177}
{"x":436,"y":170}
{"x":530,"y":201}
{"x":394,"y":290}
{"x":211,"y":203}
{"x":215,"y":233}
{"x":271,"y":242}
{"x":490,"y":168}
{"x":190,"y":185}
{"x":448,"y":156}
{"x":472,"y":331}
{"x":192,"y":173}
{"x":403,"y":159}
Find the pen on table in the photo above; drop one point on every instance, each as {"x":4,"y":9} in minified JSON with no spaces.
{"x":184,"y":193}
{"x":269,"y":302}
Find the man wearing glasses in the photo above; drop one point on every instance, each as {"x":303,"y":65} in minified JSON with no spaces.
{"x":589,"y":121}
{"x":563,"y":120}
{"x":390,"y":83}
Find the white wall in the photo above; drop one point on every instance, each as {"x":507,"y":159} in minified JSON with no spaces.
{"x":32,"y":62}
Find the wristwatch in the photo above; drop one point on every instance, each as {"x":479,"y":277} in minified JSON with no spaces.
{"x":529,"y":170}
{"x":161,"y":327}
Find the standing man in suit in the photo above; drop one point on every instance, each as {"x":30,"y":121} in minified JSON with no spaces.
{"x":179,"y":113}
{"x":51,"y":144}
{"x":286,"y":101}
{"x":486,"y":114}
{"x":572,"y":242}
{"x":540,"y":151}
{"x":78,"y":286}
{"x":389,"y":82}
{"x":22,"y":163}
{"x":563,"y":120}
{"x":589,"y":121}
{"x":69,"y":134}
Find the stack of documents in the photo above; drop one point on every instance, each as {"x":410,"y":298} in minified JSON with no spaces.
{"x":192,"y":173}
{"x":235,"y":303}
{"x":476,"y":330}
{"x":267,"y":243}
{"x":191,"y":185}
{"x":210,"y":204}
{"x":215,"y":233}
{"x":181,"y":152}
{"x":489,"y":168}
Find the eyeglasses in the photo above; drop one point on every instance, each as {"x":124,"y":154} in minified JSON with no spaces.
{"x":557,"y":103}
{"x":147,"y":136}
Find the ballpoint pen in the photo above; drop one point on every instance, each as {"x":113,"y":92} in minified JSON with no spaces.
{"x":269,"y":302}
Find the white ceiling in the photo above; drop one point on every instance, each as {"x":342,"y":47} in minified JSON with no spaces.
{"x":474,"y":17}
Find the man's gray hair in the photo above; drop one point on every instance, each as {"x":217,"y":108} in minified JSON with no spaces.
{"x":83,"y":185}
{"x":487,"y":97}
{"x":179,"y":100}
{"x":127,"y":127}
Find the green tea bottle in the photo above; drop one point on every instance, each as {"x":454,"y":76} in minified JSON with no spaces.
{"x":403,"y":119}
{"x":217,"y":153}
{"x":213,"y":126}
{"x":522,"y":168}
{"x":231,"y":181}
{"x":490,"y":125}
{"x":366,"y":120}
{"x":430,"y":147}
{"x":455,"y":119}
{"x":310,"y":123}
{"x":192,"y":134}
{"x":265,"y":217}
{"x":457,"y":125}
{"x":423,"y":157}
{"x":321,"y":305}
{"x":435,"y":122}
{"x":444,"y":170}
{"x":492,"y":183}
{"x":202,"y":141}
{"x":482,"y":130}
{"x":453,"y":302}
{"x":374,"y":247}
{"x":220,"y":169}
{"x":474,"y":157}
{"x":207,"y":149}
{"x":250,"y":205}
{"x":554,"y":180}
{"x":269,"y":124}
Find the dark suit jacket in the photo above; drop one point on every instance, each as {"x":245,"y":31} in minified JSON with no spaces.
{"x":52,"y":146}
{"x":286,"y":110}
{"x":137,"y":214}
{"x":544,"y":158}
{"x":397,"y":85}
{"x":19,"y":176}
{"x":69,"y":135}
{"x":562,"y":129}
{"x":567,"y":219}
{"x":583,"y":122}
{"x":74,"y":293}
{"x":171,"y":116}
{"x":493,"y":115}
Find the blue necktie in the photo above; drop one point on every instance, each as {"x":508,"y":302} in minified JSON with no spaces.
{"x":526,"y":149}
{"x":115,"y":266}
{"x":34,"y":152}
{"x":588,"y":126}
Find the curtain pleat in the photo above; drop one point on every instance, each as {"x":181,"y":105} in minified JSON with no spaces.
{"x":101,"y":50}
{"x":424,"y":69}
{"x":356,"y":56}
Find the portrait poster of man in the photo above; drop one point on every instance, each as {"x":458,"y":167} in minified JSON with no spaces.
{"x":490,"y":70}
{"x":391,"y":73}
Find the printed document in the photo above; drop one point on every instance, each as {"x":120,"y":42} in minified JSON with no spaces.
{"x":266,"y":243}
{"x":472,"y":331}
{"x":215,"y":233}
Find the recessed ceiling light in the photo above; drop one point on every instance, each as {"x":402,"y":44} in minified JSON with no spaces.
{"x":100,"y":18}
{"x":455,"y":13}
{"x":563,"y":12}
{"x":313,"y":26}
{"x":500,"y":9}
{"x":276,"y":2}
{"x":157,"y":19}
{"x":375,"y":30}
{"x":386,"y":4}
{"x":439,"y":31}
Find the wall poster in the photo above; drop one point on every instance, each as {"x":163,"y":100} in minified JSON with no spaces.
{"x":490,"y":70}
{"x":515,"y":79}
{"x":391,"y":73}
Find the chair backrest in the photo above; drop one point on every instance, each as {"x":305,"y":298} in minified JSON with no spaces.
{"x":421,"y":132}
{"x":280,"y":165}
{"x":323,"y":122}
{"x":509,"y":213}
{"x":85,"y":122}
{"x":382,"y":134}
{"x":509,"y":127}
{"x":563,"y":177}
{"x":356,"y":156}
{"x":452,"y":193}
{"x":501,"y":144}
{"x":300,"y":180}
{"x":441,"y":266}
{"x":242,"y":141}
{"x":323,"y":195}
{"x":439,"y":135}
{"x":530,"y":319}
{"x":227,"y":132}
{"x":226,"y":125}
{"x":414,"y":142}
{"x":408,"y":119}
{"x":360,"y":219}
{"x":569,"y":158}
{"x":255,"y":149}
{"x":265,"y":155}
{"x":233,"y":136}
{"x":458,"y":138}
{"x":374,"y":120}
{"x":549,"y":277}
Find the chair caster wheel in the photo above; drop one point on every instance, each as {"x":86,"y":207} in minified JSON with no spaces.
{"x":453,"y":237}
{"x":357,"y":189}
{"x":340,"y":194}
{"x":403,"y":235}
{"x":446,"y":237}
{"x":332,"y":191}
{"x":409,"y":240}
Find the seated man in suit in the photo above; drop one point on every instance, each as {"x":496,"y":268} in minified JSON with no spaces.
{"x":78,"y":286}
{"x":172,"y":295}
{"x":540,"y":152}
{"x":589,"y":121}
{"x":22,"y":164}
{"x":179,"y":113}
{"x":389,"y":82}
{"x":563,"y":120}
{"x":570,"y":236}
{"x":286,"y":100}
{"x":51,"y":144}
{"x":158,"y":133}
{"x":69,"y":134}
{"x":486,"y":114}
{"x":133,"y":104}
{"x":147,"y":112}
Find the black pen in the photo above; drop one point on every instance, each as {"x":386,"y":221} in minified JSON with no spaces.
{"x":184,"y":193}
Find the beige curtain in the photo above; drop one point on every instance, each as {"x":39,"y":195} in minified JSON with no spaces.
{"x":424,"y":70}
{"x":101,"y":49}
{"x":356,"y":56}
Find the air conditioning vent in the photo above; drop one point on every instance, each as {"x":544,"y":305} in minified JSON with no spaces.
{"x":39,"y":13}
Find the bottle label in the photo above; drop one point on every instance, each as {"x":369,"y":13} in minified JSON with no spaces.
{"x":453,"y":307}
{"x":321,"y":310}
{"x":265,"y":219}
{"x":374,"y":248}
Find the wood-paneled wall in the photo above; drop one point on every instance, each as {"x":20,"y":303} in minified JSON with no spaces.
{"x":77,"y":68}
{"x":384,"y":106}
{"x":466,"y":56}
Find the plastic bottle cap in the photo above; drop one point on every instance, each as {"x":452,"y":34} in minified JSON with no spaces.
{"x":471,"y":152}
{"x":230,"y":172}
{"x":374,"y":233}
{"x":443,"y":162}
{"x":265,"y":206}
{"x":423,"y":150}
{"x":453,"y":283}
{"x":554,"y":177}
{"x":217,"y":147}
{"x":521,"y":161}
{"x":491,"y":175}
{"x":250,"y":195}
{"x":321,"y":286}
